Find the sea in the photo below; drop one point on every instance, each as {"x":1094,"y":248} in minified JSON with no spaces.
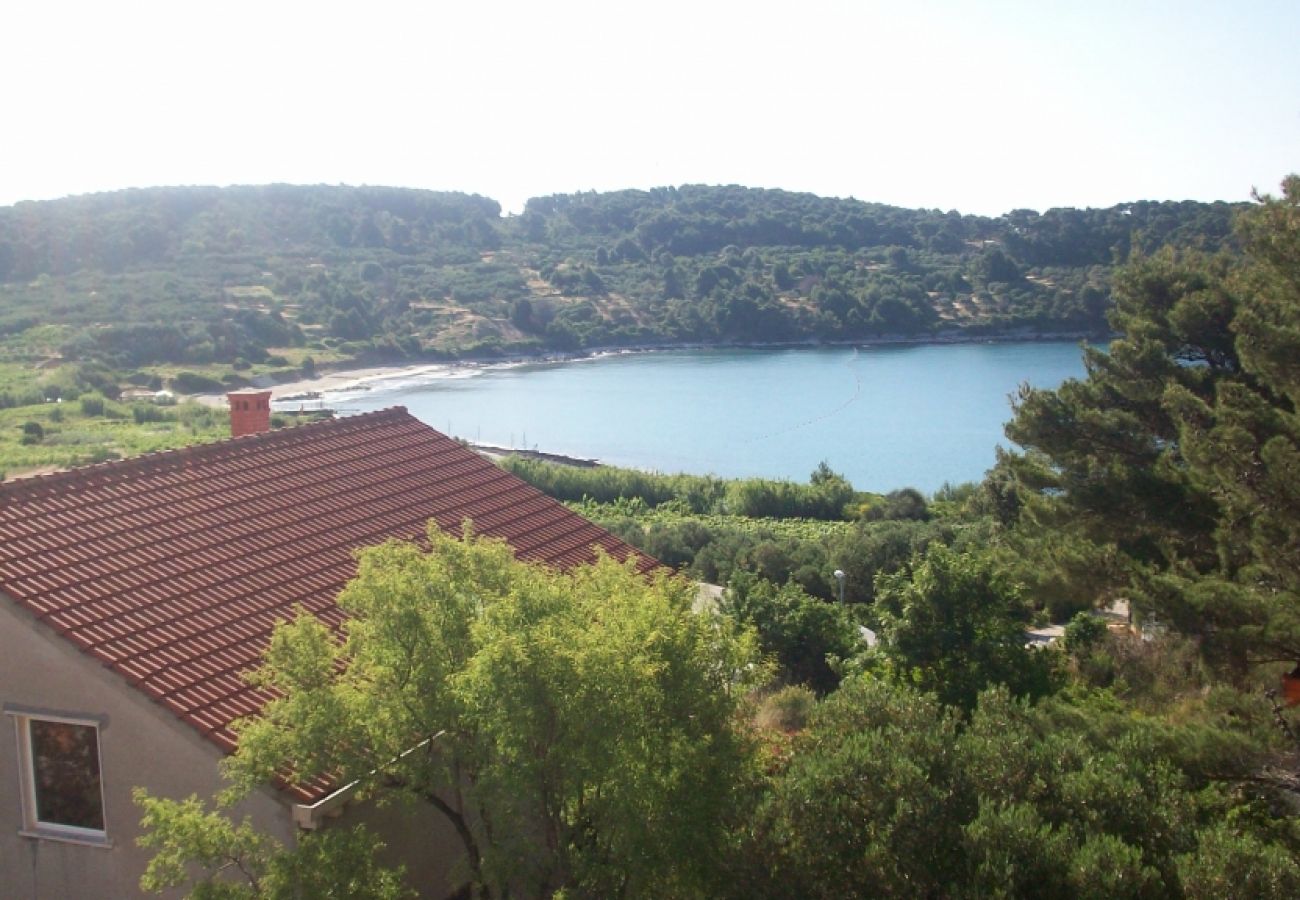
{"x":884,"y":416}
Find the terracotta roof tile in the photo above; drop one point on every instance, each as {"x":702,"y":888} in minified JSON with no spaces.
{"x":172,"y":568}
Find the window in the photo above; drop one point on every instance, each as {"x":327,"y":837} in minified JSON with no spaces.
{"x":58,"y":767}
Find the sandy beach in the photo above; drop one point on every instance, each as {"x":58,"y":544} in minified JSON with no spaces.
{"x":361,"y":378}
{"x":340,"y":380}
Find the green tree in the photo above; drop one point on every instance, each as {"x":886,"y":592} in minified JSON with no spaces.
{"x":803,"y":633}
{"x":1103,"y":457}
{"x":239,"y":863}
{"x":1171,"y":469}
{"x":992,"y":266}
{"x":954,"y":626}
{"x":889,"y":791}
{"x":865,"y":802}
{"x":1012,"y":852}
{"x":782,"y":277}
{"x":575,"y":729}
{"x":521,"y":314}
{"x":1242,"y":445}
{"x":1083,"y":632}
{"x":905,"y":503}
{"x":1230,"y":864}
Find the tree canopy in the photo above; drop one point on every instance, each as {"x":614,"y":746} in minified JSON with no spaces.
{"x":952,"y":625}
{"x":469,"y":680}
{"x":1170,"y":470}
{"x":888,"y":789}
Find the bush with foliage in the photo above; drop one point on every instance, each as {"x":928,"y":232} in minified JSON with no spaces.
{"x":807,"y":636}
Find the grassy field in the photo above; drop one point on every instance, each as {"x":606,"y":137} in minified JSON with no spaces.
{"x":67,"y":437}
{"x":55,"y":414}
{"x":54,"y":434}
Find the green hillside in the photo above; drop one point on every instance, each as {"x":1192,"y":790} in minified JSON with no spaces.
{"x":263,"y":276}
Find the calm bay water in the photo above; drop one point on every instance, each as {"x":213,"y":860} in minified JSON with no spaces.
{"x":885,"y":417}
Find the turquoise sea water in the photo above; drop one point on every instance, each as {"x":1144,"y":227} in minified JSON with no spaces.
{"x":885,"y":417}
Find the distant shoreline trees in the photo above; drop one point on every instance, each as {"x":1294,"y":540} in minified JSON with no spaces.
{"x":209,"y":276}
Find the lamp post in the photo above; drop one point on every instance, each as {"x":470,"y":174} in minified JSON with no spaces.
{"x":839,"y":578}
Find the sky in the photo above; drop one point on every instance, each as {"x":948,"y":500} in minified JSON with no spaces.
{"x":982,"y":107}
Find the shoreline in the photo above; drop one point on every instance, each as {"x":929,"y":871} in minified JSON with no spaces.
{"x":360,"y":378}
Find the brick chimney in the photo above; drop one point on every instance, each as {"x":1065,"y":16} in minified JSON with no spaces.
{"x":250,"y":412}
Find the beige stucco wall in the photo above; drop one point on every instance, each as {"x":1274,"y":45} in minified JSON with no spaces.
{"x":415,"y":836}
{"x":140,"y":744}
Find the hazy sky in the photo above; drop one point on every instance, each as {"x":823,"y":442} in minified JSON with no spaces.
{"x":977,"y":106}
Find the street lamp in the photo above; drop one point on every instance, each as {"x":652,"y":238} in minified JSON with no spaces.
{"x":839,"y":578}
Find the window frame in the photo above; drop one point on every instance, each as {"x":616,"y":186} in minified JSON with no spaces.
{"x":32,"y":826}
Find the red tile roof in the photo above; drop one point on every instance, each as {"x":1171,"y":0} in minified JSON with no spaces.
{"x":172,"y":568}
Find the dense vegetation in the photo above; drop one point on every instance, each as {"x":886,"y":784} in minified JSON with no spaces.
{"x":203,"y":276}
{"x":988,"y":770}
{"x":732,"y":264}
{"x":781,"y":531}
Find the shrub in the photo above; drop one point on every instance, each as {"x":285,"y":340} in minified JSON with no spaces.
{"x":1084,"y":631}
{"x":906,"y":503}
{"x":786,"y":710}
{"x":147,"y":412}
{"x":801,"y":632}
{"x":193,"y":383}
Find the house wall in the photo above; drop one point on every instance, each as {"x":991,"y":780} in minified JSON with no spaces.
{"x":141,"y":743}
{"x":415,"y":836}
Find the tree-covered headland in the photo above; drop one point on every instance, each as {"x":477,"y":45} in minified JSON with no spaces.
{"x":766,"y":748}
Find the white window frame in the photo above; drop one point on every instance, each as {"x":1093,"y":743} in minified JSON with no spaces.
{"x":32,"y":826}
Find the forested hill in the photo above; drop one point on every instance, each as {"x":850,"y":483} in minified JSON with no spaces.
{"x":242,"y":278}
